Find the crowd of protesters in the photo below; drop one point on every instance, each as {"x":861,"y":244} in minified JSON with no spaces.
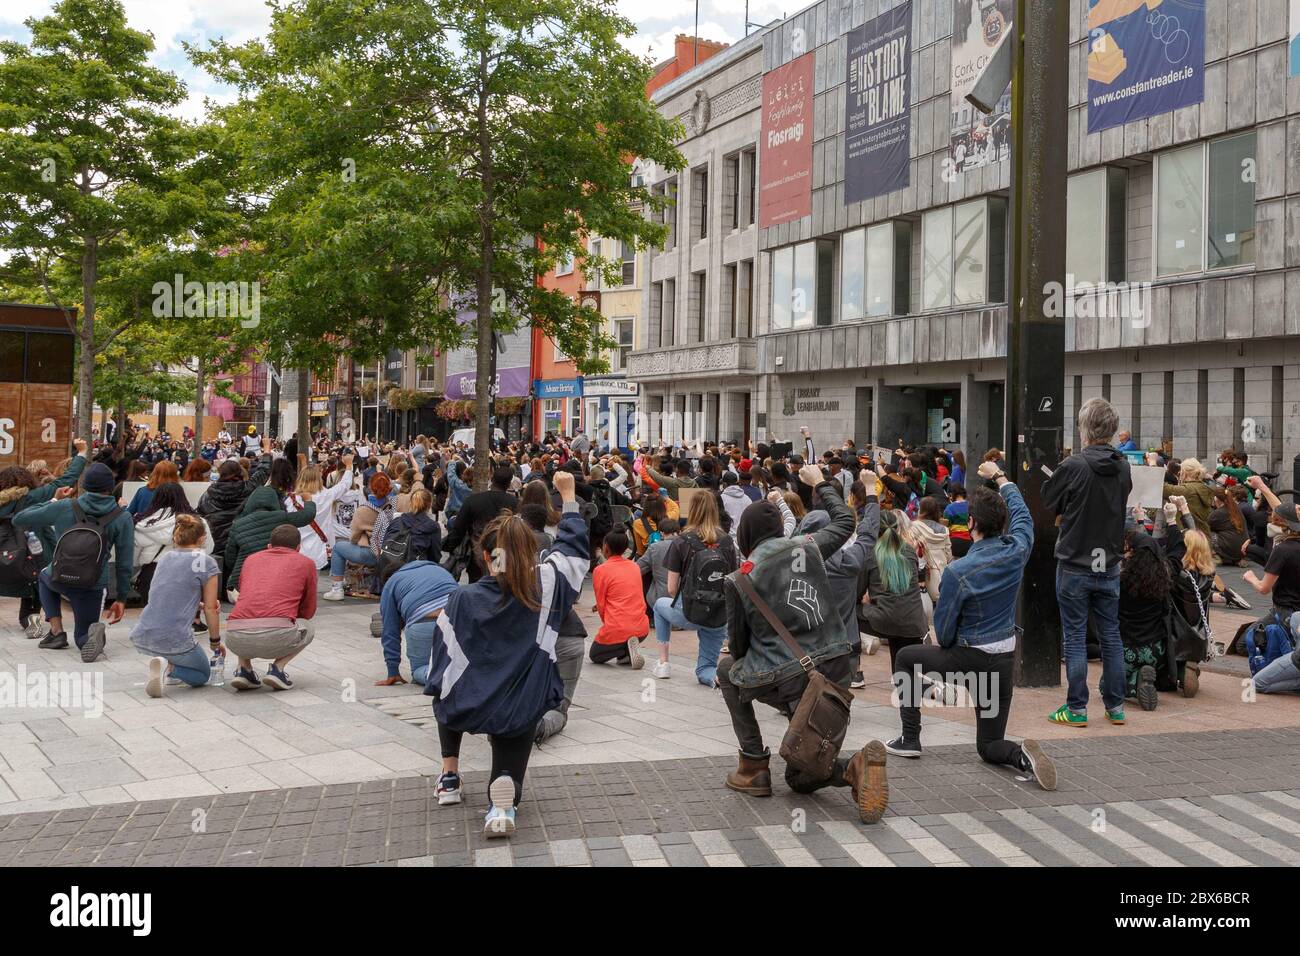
{"x":788,"y":563}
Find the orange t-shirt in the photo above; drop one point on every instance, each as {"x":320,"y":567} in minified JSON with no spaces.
{"x":620,"y":601}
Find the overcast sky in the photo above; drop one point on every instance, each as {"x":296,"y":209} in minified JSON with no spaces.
{"x":173,"y":21}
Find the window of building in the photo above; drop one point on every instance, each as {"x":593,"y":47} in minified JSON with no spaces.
{"x":869,"y":259}
{"x":731,"y":190}
{"x":565,"y":265}
{"x":575,"y":415}
{"x":623,"y":335}
{"x":656,"y":315}
{"x":1231,"y":193}
{"x":553,"y":415}
{"x":559,"y":353}
{"x":963,"y":250}
{"x":698,"y":308}
{"x":1095,"y":243}
{"x":1205,"y":206}
{"x":700,"y":203}
{"x":853,"y":274}
{"x":629,"y":264}
{"x":803,"y":281}
{"x":936,"y":259}
{"x":749,"y":173}
{"x":670,"y":312}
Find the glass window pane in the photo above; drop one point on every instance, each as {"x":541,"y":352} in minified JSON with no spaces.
{"x":880,"y":269}
{"x":782,"y":286}
{"x":1179,"y":205}
{"x":852,"y":274}
{"x":936,"y":253}
{"x":804,"y":295}
{"x":825,"y":282}
{"x":49,"y":358}
{"x":1231,"y":238}
{"x":971,"y":254}
{"x":1085,"y":238}
{"x":11,"y":356}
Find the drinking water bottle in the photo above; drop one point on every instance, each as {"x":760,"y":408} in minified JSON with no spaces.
{"x":34,"y":546}
{"x":218,"y":676}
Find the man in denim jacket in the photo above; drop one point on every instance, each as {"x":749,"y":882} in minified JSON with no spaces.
{"x":975,"y":621}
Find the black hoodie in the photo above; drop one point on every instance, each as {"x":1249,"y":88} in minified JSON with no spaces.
{"x":1089,"y":491}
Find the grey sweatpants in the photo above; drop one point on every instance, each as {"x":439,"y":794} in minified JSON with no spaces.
{"x":568,"y":658}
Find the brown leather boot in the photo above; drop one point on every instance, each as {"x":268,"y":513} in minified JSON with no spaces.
{"x":866,"y":775}
{"x":752,"y":776}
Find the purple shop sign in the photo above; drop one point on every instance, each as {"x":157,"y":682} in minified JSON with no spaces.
{"x":511,"y":383}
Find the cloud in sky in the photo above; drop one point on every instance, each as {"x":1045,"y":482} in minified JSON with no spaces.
{"x":173,"y":22}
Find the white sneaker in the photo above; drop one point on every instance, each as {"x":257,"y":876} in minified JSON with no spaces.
{"x":36,"y":627}
{"x":662,"y":671}
{"x":500,"y":819}
{"x":157,"y":668}
{"x":333,"y":594}
{"x":635,"y":660}
{"x":871,"y":645}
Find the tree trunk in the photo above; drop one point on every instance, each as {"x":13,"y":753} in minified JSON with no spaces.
{"x":200,"y":406}
{"x":86,"y":340}
{"x":121,"y":415}
{"x":484,"y":385}
{"x":162,"y":417}
{"x":304,"y":411}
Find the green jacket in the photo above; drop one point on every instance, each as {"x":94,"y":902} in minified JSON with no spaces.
{"x":15,"y":499}
{"x":58,"y":517}
{"x":672,"y":484}
{"x":251,"y":531}
{"x":1200,"y":501}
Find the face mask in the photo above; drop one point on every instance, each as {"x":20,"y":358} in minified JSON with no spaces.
{"x":1274,"y":531}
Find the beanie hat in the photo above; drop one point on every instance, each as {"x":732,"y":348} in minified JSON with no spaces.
{"x":99,"y":479}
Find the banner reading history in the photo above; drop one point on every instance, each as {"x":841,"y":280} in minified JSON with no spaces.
{"x":878,"y":106}
{"x":1145,"y":57}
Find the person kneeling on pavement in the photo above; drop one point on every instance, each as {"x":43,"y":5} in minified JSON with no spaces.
{"x":187,"y":578}
{"x":272,"y":618}
{"x":413,"y":597}
{"x":781,"y":594}
{"x":621,"y":606}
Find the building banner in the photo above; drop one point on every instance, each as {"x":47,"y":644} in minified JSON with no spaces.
{"x":786,"y":144}
{"x":878,"y":106}
{"x":977,"y":139}
{"x":1293,"y":48}
{"x":1145,"y":57}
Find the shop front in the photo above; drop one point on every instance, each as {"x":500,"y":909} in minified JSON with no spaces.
{"x":560,"y":405}
{"x":611,"y":402}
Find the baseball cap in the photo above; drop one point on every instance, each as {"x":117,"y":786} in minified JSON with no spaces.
{"x":1289,"y":514}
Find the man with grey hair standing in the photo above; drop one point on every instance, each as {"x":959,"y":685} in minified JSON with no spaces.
{"x":1089,"y":493}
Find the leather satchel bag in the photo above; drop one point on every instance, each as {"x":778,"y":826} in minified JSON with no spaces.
{"x":821,"y":719}
{"x":1189,"y":642}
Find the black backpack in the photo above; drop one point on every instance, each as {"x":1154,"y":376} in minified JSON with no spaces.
{"x":602,"y":496}
{"x":17,"y":566}
{"x":704,"y":603}
{"x":82,"y":550}
{"x":396,"y":547}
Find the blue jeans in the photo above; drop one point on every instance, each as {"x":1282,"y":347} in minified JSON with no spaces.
{"x":87,"y":604}
{"x":1081,"y":592}
{"x":419,"y":648}
{"x":346,"y":551}
{"x":667,"y":616}
{"x":1280,"y":677}
{"x":191,"y":666}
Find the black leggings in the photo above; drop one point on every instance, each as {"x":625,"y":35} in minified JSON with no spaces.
{"x":29,"y":602}
{"x":987,"y":678}
{"x":509,"y":754}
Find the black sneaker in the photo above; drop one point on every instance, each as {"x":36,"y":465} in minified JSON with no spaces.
{"x":858,"y":681}
{"x":96,"y":638}
{"x":1146,"y":688}
{"x":54,"y":642}
{"x":901,"y":747}
{"x":1039,"y":764}
{"x":277,"y":679}
{"x":245,"y":679}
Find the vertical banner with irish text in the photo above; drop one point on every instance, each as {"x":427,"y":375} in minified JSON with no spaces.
{"x":785,"y":150}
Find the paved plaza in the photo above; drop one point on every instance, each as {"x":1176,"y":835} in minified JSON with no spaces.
{"x":338,"y":771}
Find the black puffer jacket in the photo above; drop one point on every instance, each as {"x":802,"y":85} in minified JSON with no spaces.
{"x":224,"y":501}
